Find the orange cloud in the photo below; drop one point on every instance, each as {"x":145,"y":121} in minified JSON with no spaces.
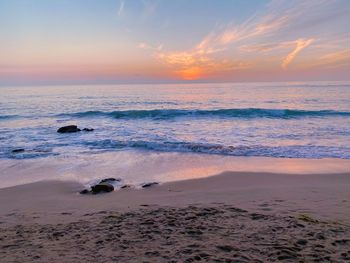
{"x":337,"y":57}
{"x":300,"y":45}
{"x":333,"y":59}
{"x":199,"y":63}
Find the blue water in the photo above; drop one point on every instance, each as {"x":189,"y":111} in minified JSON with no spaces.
{"x":284,"y":120}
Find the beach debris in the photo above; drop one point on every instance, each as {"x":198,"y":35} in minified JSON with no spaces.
{"x":19,"y":150}
{"x":145,"y":185}
{"x":88,"y":129}
{"x":68,"y":129}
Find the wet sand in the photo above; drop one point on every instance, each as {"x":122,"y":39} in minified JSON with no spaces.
{"x":231,"y":217}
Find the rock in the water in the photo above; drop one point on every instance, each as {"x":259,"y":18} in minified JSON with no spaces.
{"x":109,"y":180}
{"x":149,"y":184}
{"x":126,"y":186}
{"x":18,"y":150}
{"x":88,"y":129}
{"x":102,"y":188}
{"x":69,"y":128}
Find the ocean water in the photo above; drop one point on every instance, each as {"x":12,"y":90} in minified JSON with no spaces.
{"x":309,"y":120}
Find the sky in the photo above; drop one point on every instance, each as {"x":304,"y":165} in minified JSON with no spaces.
{"x":156,"y":41}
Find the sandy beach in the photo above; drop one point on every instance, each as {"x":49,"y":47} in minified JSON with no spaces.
{"x":231,"y":217}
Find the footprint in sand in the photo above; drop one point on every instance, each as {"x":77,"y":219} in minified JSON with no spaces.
{"x":265,"y":207}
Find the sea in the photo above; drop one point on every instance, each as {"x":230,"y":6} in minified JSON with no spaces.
{"x":168,"y":132}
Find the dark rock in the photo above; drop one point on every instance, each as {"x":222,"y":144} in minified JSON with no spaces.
{"x":149,"y":184}
{"x":84,"y":192}
{"x":69,"y":128}
{"x":102,"y":188}
{"x":126,"y":186}
{"x":88,"y":129}
{"x":109,"y":180}
{"x":20,"y":150}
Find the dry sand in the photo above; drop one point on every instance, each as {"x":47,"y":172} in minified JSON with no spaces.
{"x":232,"y":217}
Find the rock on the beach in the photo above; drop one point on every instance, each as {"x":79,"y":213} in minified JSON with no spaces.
{"x":149,"y":184}
{"x":88,"y":129}
{"x":84,"y":192}
{"x":102,"y":188}
{"x":69,"y":128}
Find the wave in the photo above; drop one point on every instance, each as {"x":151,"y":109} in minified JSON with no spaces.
{"x":224,"y":113}
{"x":8,"y":117}
{"x":294,"y":151}
{"x":106,"y":145}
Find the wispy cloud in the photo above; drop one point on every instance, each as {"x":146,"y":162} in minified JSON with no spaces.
{"x":121,"y":7}
{"x":266,"y":47}
{"x":146,"y":46}
{"x":300,"y":45}
{"x":334,"y":59}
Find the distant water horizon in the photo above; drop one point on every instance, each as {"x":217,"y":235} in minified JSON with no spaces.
{"x":280,"y":120}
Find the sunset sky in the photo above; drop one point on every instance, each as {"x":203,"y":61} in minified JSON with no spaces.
{"x":135,"y":41}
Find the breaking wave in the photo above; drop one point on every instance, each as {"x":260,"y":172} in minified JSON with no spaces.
{"x":224,"y":113}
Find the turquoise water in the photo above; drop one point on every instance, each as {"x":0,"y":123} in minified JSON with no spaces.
{"x":283,"y":120}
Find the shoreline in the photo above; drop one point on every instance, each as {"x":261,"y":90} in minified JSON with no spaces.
{"x":229,"y":217}
{"x":138,"y":167}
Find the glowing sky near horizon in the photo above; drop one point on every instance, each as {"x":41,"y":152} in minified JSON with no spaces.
{"x":94,"y":41}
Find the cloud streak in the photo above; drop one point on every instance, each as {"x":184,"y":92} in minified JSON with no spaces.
{"x":121,"y":7}
{"x":146,"y":46}
{"x":300,"y":45}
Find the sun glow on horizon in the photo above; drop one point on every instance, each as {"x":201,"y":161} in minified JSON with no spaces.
{"x":192,"y":73}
